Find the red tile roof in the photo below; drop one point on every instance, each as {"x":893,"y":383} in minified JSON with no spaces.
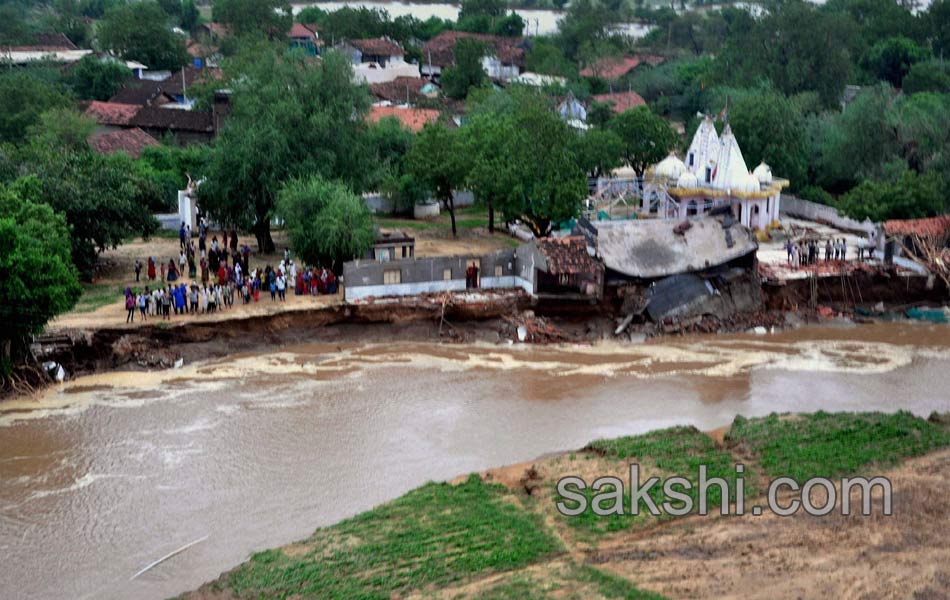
{"x":131,"y":141}
{"x":400,"y":90}
{"x":440,"y":50}
{"x":217,"y":29}
{"x":613,"y":68}
{"x":932,"y":227}
{"x":621,"y":101}
{"x":46,"y":42}
{"x":413,"y":118}
{"x":111,"y":113}
{"x":303,"y":30}
{"x":568,"y":255}
{"x":378,"y":47}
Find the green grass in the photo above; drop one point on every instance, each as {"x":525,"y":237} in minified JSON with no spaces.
{"x":433,"y":536}
{"x":97,"y":295}
{"x":572,"y":581}
{"x":470,"y":217}
{"x":675,"y":451}
{"x":832,"y":445}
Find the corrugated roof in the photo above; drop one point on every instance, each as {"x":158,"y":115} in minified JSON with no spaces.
{"x":932,"y":227}
{"x":400,"y":90}
{"x":141,"y":92}
{"x":131,"y":141}
{"x":650,"y":248}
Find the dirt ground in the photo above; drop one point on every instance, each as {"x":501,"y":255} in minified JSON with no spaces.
{"x":899,"y":556}
{"x":116,"y":270}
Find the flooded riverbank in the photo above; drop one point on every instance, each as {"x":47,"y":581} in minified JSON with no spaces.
{"x":112,"y":471}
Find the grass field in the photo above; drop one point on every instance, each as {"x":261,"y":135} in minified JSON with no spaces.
{"x":485,"y":540}
{"x":96,"y":295}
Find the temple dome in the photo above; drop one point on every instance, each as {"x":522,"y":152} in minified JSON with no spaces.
{"x":687,"y":181}
{"x":670,"y":167}
{"x":748,"y":185}
{"x":763,"y":173}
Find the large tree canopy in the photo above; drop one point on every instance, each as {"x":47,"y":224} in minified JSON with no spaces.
{"x":438,"y":162}
{"x":291,"y":117}
{"x":647,"y":138}
{"x":39,"y":280}
{"x":328,"y":224}
{"x":270,"y":17}
{"x":141,"y":31}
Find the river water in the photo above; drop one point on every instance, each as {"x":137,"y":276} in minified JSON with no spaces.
{"x":537,"y":21}
{"x":102,"y":476}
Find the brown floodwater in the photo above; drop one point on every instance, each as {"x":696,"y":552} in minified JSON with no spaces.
{"x":105,"y":474}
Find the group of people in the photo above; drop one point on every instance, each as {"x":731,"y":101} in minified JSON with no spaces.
{"x":222,"y":277}
{"x":808,"y":252}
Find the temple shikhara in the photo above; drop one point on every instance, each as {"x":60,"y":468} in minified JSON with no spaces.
{"x":715,"y":174}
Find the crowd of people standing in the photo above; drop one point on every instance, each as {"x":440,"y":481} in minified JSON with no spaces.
{"x":219,"y":272}
{"x":808,"y":252}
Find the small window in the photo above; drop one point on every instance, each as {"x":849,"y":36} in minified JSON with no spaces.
{"x":708,"y":175}
{"x":499,"y":271}
{"x":691,"y":159}
{"x":391,"y":277}
{"x":446,"y":274}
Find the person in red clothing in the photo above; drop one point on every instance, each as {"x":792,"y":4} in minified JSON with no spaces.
{"x":222,"y":274}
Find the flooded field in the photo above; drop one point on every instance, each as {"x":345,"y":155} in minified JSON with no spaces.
{"x":108,"y":473}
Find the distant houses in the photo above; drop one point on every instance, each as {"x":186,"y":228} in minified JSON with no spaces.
{"x":504,"y":59}
{"x":378,"y":60}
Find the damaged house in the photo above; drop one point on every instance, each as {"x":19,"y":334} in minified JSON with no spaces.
{"x":671,"y":271}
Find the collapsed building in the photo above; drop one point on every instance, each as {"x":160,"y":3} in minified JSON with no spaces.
{"x":667,"y":271}
{"x":652,"y":269}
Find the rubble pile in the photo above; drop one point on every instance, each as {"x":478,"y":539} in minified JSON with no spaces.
{"x":528,"y":327}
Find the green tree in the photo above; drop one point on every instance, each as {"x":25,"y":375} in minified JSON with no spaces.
{"x":39,"y":280}
{"x":103,"y":198}
{"x":437,"y":161}
{"x":327,"y":223}
{"x":891,"y":59}
{"x":928,"y":76}
{"x":61,"y":128}
{"x":647,"y":138}
{"x":291,"y":117}
{"x":23,"y":98}
{"x":270,"y":17}
{"x":93,"y":78}
{"x":911,"y":196}
{"x":598,"y":151}
{"x":189,"y":15}
{"x":467,"y":73}
{"x":522,"y":159}
{"x":770,"y":128}
{"x":140,"y":31}
{"x":938,"y":18}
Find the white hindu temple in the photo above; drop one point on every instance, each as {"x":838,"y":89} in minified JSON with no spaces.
{"x":715,"y":174}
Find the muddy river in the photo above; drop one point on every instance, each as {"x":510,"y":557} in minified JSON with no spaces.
{"x":102,"y":476}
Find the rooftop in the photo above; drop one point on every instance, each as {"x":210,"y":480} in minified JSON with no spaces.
{"x":613,"y":68}
{"x":413,"y":118}
{"x":621,"y":101}
{"x":46,"y":42}
{"x":401,"y":90}
{"x":440,"y":50}
{"x":932,"y":227}
{"x":111,"y":113}
{"x":377,"y":47}
{"x":567,"y":256}
{"x":651,"y":248}
{"x":151,"y":117}
{"x":140,"y":92}
{"x":131,"y":141}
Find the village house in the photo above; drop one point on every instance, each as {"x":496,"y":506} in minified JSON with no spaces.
{"x":378,"y":60}
{"x":183,"y":126}
{"x":57,"y":48}
{"x":504,"y":59}
{"x":110,"y":116}
{"x":616,"y":68}
{"x":305,"y":37}
{"x":130,"y":141}
{"x":403,"y":91}
{"x":391,"y":245}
